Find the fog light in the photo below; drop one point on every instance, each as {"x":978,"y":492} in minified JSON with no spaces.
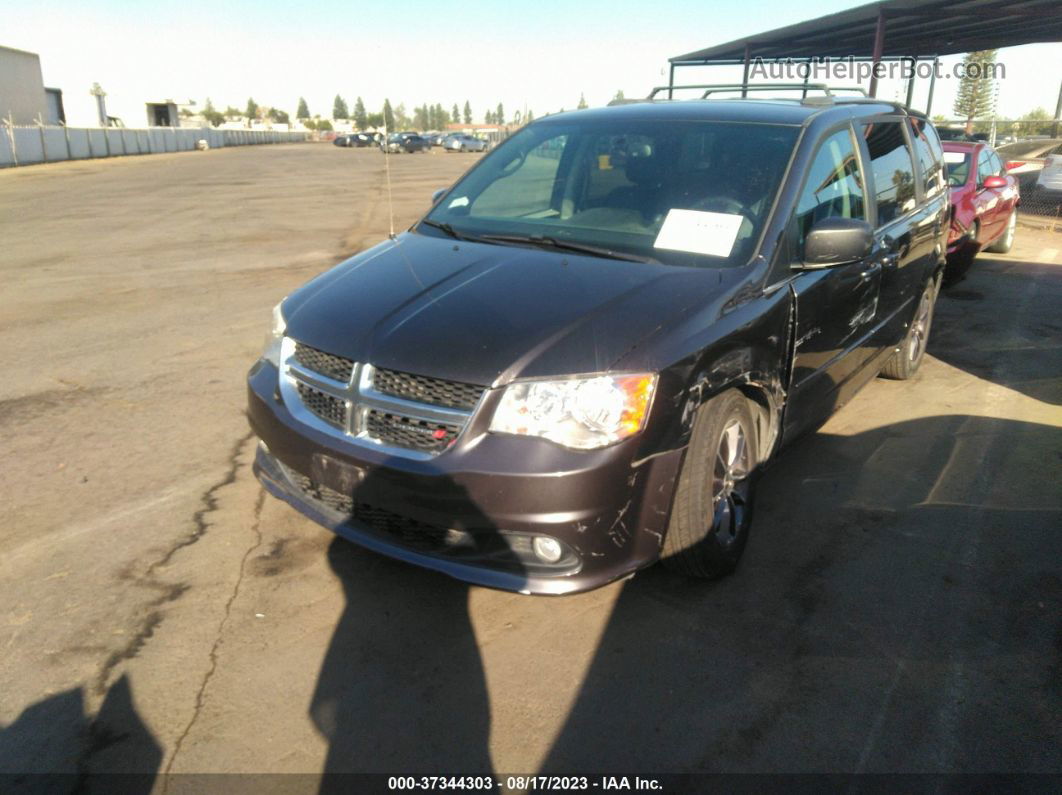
{"x":547,"y":549}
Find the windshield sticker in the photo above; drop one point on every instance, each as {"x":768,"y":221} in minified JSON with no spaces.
{"x":461,"y":202}
{"x":699,"y":232}
{"x":955,"y":157}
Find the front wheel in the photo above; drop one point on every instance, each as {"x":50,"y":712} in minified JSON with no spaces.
{"x":1006,"y":240}
{"x":905,"y":362}
{"x":712,"y":510}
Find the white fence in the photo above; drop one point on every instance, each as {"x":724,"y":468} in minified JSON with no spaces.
{"x":22,"y":146}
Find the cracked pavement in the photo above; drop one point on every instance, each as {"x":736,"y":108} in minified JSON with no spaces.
{"x":897,"y":610}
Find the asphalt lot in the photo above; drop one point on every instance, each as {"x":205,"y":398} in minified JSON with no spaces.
{"x":898,"y":607}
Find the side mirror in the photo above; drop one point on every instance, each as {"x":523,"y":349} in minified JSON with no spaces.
{"x":837,"y":241}
{"x":994,"y":182}
{"x":437,"y":195}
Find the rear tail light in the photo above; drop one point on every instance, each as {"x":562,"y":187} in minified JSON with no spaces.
{"x":1013,"y":164}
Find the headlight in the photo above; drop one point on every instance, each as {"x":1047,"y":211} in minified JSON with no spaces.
{"x":584,"y":413}
{"x":275,"y":336}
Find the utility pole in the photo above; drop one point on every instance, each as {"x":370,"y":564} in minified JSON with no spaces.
{"x":1058,"y":113}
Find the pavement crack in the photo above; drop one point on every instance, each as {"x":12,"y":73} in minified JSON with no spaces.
{"x":200,"y":696}
{"x":167,"y":593}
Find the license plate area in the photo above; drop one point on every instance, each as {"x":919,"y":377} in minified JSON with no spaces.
{"x":335,"y":474}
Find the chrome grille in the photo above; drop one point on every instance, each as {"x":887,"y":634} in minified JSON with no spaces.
{"x":427,"y":390}
{"x":327,"y":364}
{"x":405,"y":414}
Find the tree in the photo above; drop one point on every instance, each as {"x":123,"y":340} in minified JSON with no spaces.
{"x":401,"y":117}
{"x":455,"y":115}
{"x":323,"y":125}
{"x":488,"y":117}
{"x":304,"y":110}
{"x":339,"y":108}
{"x":976,"y":97}
{"x":468,"y":113}
{"x":212,"y":115}
{"x":374,"y":120}
{"x":278,"y":116}
{"x":361,"y":118}
{"x":441,"y":119}
{"x":252,"y":110}
{"x":233,"y":113}
{"x":530,"y":116}
{"x":499,"y":115}
{"x":420,"y":117}
{"x":388,"y":116}
{"x":619,"y":96}
{"x":1034,"y":115}
{"x":582,"y":102}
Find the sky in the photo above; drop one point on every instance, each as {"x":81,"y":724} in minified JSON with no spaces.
{"x":539,"y":56}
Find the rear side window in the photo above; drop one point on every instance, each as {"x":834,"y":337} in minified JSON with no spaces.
{"x":834,"y":186}
{"x":892,"y":167}
{"x":997,"y":165}
{"x":928,"y":158}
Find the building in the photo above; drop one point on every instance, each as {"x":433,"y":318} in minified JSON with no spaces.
{"x":23,"y":97}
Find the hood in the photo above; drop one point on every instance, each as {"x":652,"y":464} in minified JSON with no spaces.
{"x":487,"y":314}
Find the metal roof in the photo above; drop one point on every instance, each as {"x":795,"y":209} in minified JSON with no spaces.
{"x":912,"y":28}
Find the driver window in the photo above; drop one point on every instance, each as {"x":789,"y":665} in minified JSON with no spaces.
{"x":834,"y":187}
{"x":984,"y":167}
{"x":531,"y":195}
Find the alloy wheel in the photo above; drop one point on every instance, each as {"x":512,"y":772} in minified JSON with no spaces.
{"x":730,"y":484}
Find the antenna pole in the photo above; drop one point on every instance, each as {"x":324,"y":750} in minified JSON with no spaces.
{"x":387,"y":169}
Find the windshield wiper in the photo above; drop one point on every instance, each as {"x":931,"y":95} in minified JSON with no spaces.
{"x":448,"y":229}
{"x":565,"y":245}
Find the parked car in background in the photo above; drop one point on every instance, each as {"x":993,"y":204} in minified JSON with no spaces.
{"x":1049,"y":182}
{"x":466,"y":143}
{"x":405,"y":142}
{"x":579,"y":360}
{"x":984,"y":201}
{"x":340,"y":140}
{"x":361,"y":139}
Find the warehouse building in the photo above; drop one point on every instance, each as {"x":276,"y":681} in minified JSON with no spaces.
{"x":23,"y":97}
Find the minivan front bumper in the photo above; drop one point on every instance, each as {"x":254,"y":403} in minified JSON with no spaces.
{"x":473,"y":511}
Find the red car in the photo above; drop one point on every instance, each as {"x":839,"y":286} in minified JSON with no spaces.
{"x":984,"y":201}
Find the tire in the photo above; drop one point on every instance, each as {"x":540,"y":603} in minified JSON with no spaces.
{"x":1006,"y":240}
{"x":905,"y":362}
{"x":712,"y":510}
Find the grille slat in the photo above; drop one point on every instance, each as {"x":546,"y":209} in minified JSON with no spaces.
{"x":409,"y":432}
{"x":335,"y":367}
{"x":435,"y":391}
{"x":329,"y":408}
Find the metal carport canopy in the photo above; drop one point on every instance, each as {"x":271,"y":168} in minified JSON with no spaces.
{"x":909,"y":27}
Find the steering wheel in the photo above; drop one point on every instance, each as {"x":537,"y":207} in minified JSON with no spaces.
{"x":720,"y":204}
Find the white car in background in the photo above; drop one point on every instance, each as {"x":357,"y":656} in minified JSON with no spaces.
{"x":1050,"y":179}
{"x":465,"y":143}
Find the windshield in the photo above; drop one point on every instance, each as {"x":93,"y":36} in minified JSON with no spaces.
{"x":681,"y":193}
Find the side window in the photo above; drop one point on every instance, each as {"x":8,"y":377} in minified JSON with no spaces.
{"x":834,"y":186}
{"x":997,"y":165}
{"x":893,"y":169}
{"x":984,"y":166}
{"x":532,"y":193}
{"x":928,"y":160}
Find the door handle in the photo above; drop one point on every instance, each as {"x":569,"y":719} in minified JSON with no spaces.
{"x":870,"y":271}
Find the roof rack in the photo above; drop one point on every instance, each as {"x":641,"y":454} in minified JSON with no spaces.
{"x":745,"y":88}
